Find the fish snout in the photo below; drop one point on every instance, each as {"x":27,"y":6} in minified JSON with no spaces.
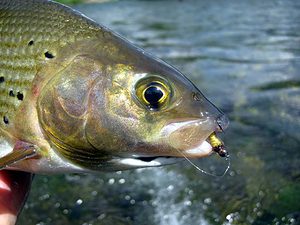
{"x":217,"y":144}
{"x":218,"y":121}
{"x":222,"y":123}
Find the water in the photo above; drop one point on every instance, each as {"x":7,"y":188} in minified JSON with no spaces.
{"x":245,"y":56}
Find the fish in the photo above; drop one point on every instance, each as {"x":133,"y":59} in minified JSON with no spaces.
{"x":77,"y":97}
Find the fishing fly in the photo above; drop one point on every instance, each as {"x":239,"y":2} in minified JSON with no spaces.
{"x":217,"y":145}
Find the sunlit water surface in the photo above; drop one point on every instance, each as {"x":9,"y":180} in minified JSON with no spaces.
{"x":245,"y":56}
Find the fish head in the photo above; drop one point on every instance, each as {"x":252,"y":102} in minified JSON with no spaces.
{"x":119,"y":115}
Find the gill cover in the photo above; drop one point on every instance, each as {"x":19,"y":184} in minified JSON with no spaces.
{"x":63,"y":108}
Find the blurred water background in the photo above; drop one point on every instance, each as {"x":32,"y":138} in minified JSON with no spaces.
{"x":245,"y":56}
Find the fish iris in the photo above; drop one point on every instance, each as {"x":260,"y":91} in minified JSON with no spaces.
{"x":153,"y":92}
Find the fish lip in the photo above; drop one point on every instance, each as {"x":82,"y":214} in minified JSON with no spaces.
{"x":201,"y":150}
{"x":174,"y":126}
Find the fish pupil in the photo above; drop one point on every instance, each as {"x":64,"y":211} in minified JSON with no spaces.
{"x":153,"y":94}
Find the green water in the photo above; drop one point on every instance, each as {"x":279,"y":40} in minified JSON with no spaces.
{"x":245,"y":56}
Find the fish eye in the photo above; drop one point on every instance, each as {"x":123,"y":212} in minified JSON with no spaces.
{"x":154,"y":94}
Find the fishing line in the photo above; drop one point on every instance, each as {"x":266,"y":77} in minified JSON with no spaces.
{"x":227,"y":158}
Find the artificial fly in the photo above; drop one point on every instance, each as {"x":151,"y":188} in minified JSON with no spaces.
{"x":217,"y":145}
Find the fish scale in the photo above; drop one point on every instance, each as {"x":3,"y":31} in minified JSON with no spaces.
{"x":24,"y":39}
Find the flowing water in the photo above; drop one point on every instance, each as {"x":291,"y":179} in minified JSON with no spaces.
{"x":245,"y":56}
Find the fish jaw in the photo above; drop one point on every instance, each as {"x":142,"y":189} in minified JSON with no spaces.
{"x":136,"y":161}
{"x":144,"y":161}
{"x":203,"y":149}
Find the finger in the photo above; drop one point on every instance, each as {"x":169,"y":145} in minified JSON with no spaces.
{"x":14,"y":189}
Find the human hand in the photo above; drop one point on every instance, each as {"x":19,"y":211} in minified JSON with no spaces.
{"x":14,"y":189}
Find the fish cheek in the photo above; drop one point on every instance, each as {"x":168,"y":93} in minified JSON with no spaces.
{"x":100,"y":126}
{"x":114,"y":122}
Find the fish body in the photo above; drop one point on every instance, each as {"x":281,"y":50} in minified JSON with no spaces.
{"x":76,"y":97}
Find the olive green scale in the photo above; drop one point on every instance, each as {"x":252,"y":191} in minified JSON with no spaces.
{"x":31,"y":33}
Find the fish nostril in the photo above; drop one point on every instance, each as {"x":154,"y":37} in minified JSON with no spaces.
{"x":222,"y":122}
{"x":196,"y":96}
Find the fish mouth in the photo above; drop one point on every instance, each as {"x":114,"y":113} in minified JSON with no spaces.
{"x":212,"y":143}
{"x":207,"y":147}
{"x":204,"y":148}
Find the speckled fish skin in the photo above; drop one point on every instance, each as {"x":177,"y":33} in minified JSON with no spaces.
{"x":27,"y":32}
{"x":75,"y":91}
